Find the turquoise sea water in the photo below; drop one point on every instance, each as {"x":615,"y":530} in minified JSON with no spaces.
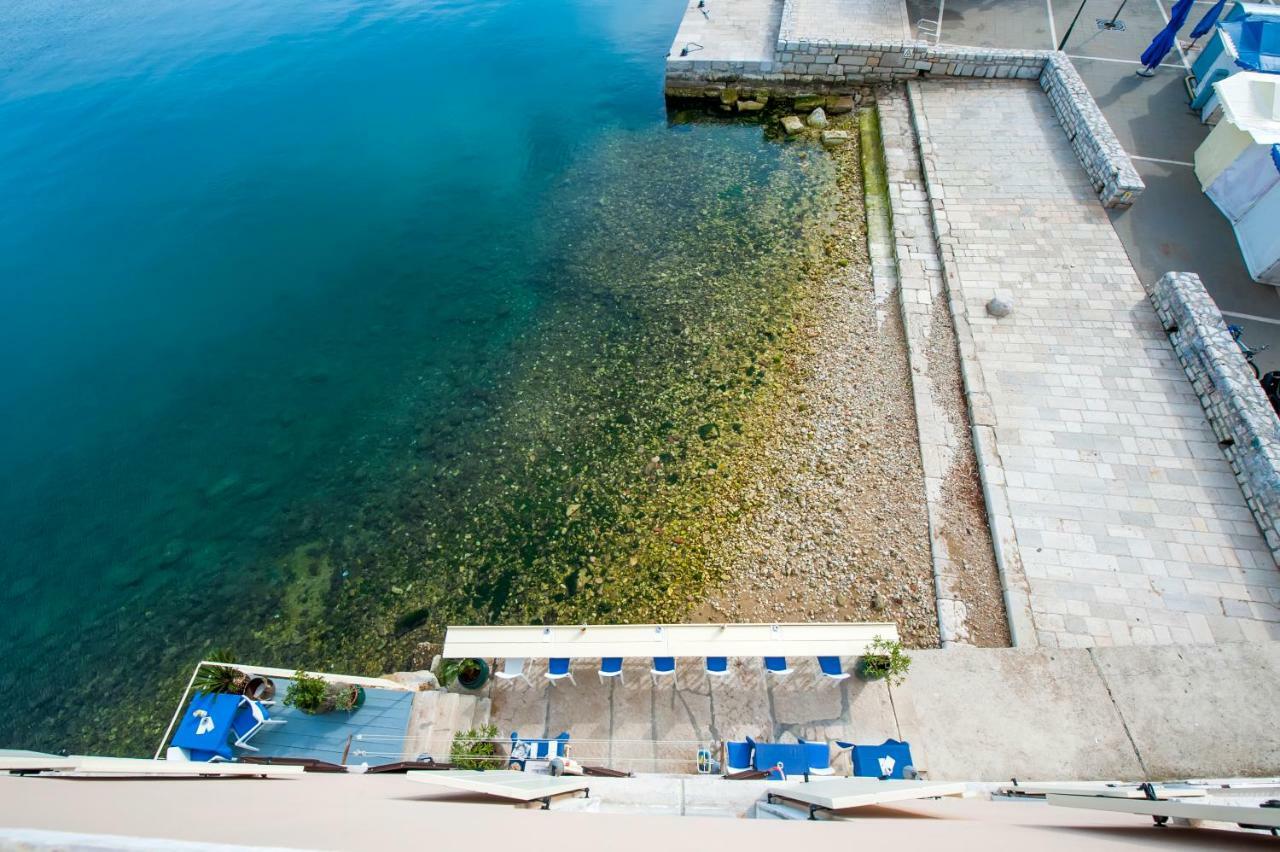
{"x":270,"y":271}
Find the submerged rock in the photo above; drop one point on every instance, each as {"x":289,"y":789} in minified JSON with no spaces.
{"x":729,"y":96}
{"x":750,"y":106}
{"x":708,"y":431}
{"x":840,"y":105}
{"x":792,"y":124}
{"x":818,"y":118}
{"x":833,"y":138}
{"x":173,"y":552}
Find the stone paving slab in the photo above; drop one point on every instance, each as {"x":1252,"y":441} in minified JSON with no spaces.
{"x":845,"y":21}
{"x":1126,"y":516}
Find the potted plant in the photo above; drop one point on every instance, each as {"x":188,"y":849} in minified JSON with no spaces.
{"x":227,"y":679}
{"x":260,"y":688}
{"x":476,"y":749}
{"x":347,"y":696}
{"x":314,"y":695}
{"x":884,"y":660}
{"x":310,"y":694}
{"x":469,"y":673}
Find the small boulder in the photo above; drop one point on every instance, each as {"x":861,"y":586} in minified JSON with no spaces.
{"x":792,"y":124}
{"x":750,"y":106}
{"x":840,"y":105}
{"x":808,"y":102}
{"x":818,"y":118}
{"x":708,"y":431}
{"x":729,"y":96}
{"x":833,"y":138}
{"x":1001,"y":305}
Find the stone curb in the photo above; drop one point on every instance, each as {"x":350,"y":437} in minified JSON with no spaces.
{"x":1004,"y":540}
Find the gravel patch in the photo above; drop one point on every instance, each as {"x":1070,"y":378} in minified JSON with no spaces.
{"x":837,"y":529}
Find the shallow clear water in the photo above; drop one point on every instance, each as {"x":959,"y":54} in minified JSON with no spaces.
{"x":322,"y":323}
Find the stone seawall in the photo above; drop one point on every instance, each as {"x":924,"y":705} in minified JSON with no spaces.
{"x":1109,"y":168}
{"x":806,"y":65}
{"x":1237,"y":407}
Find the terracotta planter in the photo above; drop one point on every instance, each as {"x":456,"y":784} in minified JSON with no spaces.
{"x":260,"y":688}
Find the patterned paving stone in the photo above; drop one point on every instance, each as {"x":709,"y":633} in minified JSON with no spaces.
{"x":1128,"y":521}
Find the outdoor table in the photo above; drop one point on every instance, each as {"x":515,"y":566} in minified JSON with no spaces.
{"x":206,"y":724}
{"x":886,"y":760}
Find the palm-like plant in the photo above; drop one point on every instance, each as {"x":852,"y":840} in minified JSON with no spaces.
{"x":220,"y":678}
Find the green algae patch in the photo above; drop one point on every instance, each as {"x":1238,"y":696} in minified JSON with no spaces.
{"x":874,"y":179}
{"x":595,"y":474}
{"x":607,"y":466}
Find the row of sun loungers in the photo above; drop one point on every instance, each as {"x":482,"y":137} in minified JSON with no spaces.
{"x":558,"y":668}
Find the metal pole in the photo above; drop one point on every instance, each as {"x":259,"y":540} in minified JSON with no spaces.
{"x":1111,"y":23}
{"x":1072,"y":25}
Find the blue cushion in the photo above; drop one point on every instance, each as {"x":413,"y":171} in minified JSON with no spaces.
{"x":717,"y":664}
{"x":792,"y":756}
{"x":243,"y":722}
{"x":866,"y":759}
{"x":817,"y":754}
{"x":775,"y":664}
{"x":609,"y":665}
{"x":558,"y":666}
{"x":830,"y":666}
{"x":664,"y":664}
{"x":738,"y":755}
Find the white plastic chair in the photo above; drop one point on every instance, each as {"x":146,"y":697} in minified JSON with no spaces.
{"x":777,"y":666}
{"x":610,"y":667}
{"x":512,"y":668}
{"x":559,"y":668}
{"x":663,"y":667}
{"x":260,"y":719}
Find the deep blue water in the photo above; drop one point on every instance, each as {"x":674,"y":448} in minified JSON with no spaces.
{"x":251,"y":251}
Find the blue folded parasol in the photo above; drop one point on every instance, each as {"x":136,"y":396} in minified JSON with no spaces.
{"x":1163,"y":42}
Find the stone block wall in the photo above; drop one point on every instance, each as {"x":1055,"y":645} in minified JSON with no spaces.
{"x":1235,"y":403}
{"x":1114,"y":177}
{"x":821,"y":61}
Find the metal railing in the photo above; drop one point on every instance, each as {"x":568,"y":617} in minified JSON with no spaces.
{"x":611,"y":753}
{"x":269,"y":671}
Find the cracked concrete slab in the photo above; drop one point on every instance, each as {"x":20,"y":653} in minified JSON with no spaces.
{"x":1189,"y":709}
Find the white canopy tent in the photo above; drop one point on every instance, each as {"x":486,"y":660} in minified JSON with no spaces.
{"x":1239,"y":168}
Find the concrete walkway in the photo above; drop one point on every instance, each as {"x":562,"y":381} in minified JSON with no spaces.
{"x":1159,"y":713}
{"x":742,"y":31}
{"x":1126,"y":517}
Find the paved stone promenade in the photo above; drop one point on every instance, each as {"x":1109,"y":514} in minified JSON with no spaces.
{"x":1126,"y":518}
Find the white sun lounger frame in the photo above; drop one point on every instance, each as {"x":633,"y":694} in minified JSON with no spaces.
{"x":134,"y":767}
{"x":837,"y":794}
{"x":1161,"y":810}
{"x":505,"y":784}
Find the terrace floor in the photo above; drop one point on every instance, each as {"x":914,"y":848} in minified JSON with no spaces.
{"x":969,"y":714}
{"x":372,"y":734}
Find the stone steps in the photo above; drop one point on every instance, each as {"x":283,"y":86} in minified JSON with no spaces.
{"x":437,"y":716}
